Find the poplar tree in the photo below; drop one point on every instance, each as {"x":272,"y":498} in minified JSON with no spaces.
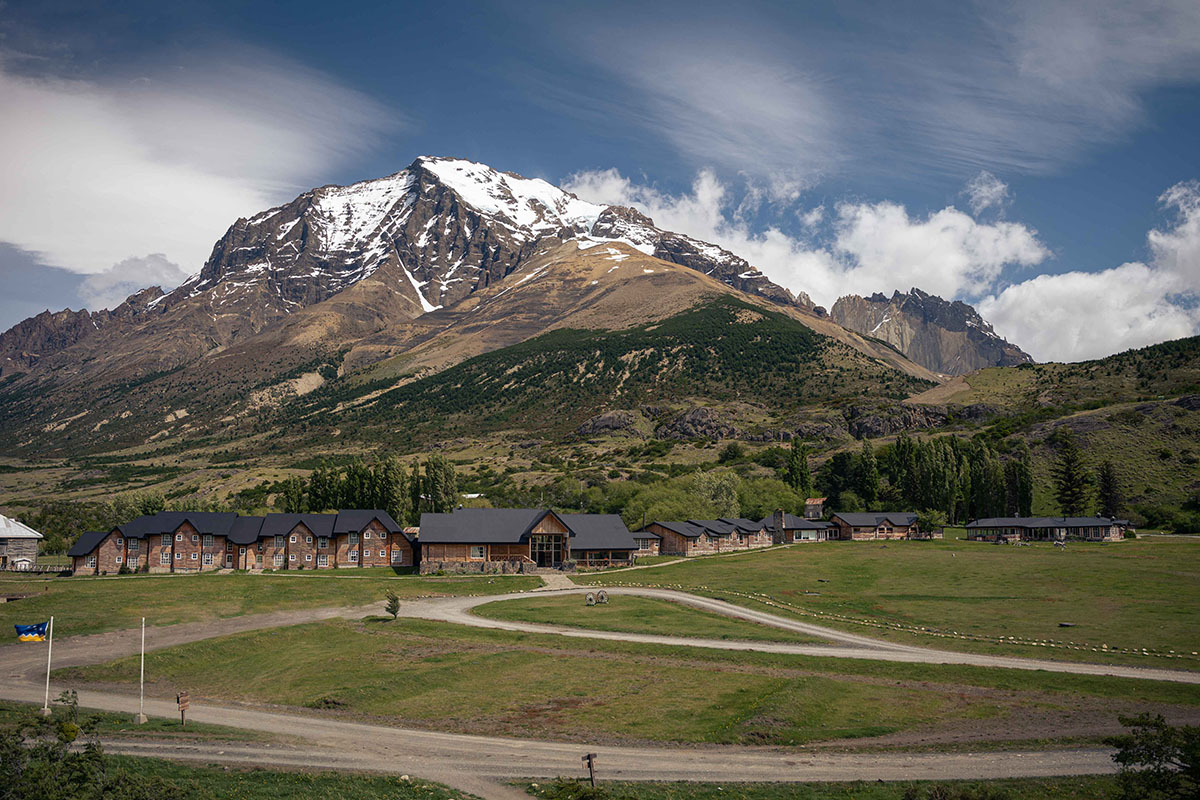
{"x":867,"y":482}
{"x":797,"y":474}
{"x":1072,"y":479}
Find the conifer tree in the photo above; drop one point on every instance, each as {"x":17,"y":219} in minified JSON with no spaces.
{"x":1072,"y":479}
{"x":1112,"y":502}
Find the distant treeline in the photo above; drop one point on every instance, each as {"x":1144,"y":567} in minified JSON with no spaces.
{"x":431,"y":485}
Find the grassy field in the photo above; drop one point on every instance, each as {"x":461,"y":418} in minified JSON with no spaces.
{"x":1073,"y":788}
{"x":462,"y":679}
{"x":634,"y":614}
{"x":90,"y":605}
{"x":112,"y":724}
{"x":1128,"y":595}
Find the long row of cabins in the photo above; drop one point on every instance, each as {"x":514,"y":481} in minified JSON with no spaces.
{"x":493,"y":540}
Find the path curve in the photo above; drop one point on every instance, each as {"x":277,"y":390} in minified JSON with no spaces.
{"x":848,"y":645}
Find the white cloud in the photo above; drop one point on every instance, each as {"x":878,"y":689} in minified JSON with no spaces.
{"x":109,"y":289}
{"x":985,"y":191}
{"x":97,"y":170}
{"x":1081,"y":315}
{"x":870,"y":246}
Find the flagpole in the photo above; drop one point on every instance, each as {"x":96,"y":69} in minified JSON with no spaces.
{"x":49,"y":651}
{"x":141,"y":717}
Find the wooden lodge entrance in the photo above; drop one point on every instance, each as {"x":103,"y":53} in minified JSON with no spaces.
{"x":546,"y":549}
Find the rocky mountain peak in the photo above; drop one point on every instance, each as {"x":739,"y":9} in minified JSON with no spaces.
{"x":949,"y":337}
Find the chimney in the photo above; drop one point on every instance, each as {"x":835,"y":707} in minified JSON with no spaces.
{"x":777,"y":526}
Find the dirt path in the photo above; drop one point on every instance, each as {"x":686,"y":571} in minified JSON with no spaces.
{"x":847,"y":645}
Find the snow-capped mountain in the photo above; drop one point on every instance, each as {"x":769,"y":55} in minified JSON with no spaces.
{"x":435,"y":232}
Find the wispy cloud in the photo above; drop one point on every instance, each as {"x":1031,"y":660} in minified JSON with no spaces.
{"x":100,"y":171}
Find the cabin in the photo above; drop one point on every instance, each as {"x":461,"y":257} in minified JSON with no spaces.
{"x":702,"y":537}
{"x":521,"y":540}
{"x":647,"y":543}
{"x":814,"y":508}
{"x":788,"y":528}
{"x":201,"y":541}
{"x":868,"y":525}
{"x":18,"y":545}
{"x":1046,"y":529}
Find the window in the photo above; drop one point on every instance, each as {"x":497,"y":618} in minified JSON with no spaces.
{"x":117,"y":560}
{"x":397,"y":556}
{"x":179,"y":537}
{"x":291,"y":556}
{"x":166,"y":540}
{"x":165,"y":558}
{"x":193,"y":556}
{"x":208,"y":540}
{"x":323,"y":542}
{"x":293,"y":539}
{"x":279,"y":559}
{"x":120,"y":541}
{"x":133,"y":545}
{"x":91,"y":561}
{"x":241,"y":551}
{"x":353,"y":538}
{"x":179,"y":556}
{"x":208,"y":559}
{"x":366,"y":534}
{"x":195,"y":538}
{"x":260,"y":547}
{"x":308,"y":540}
{"x":308,"y":556}
{"x":323,"y":560}
{"x":478,"y":551}
{"x":354,"y":555}
{"x":279,"y":541}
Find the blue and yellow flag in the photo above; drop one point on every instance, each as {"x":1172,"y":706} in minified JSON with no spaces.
{"x":32,"y":633}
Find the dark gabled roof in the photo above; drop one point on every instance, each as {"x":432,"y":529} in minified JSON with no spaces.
{"x":1040,"y":522}
{"x":245,"y":530}
{"x":646,"y":534}
{"x":283,"y":524}
{"x":353,"y":520}
{"x":744,"y":525}
{"x":862,"y":519}
{"x":87,"y":542}
{"x":714,"y":527}
{"x":598,"y":532}
{"x":793,"y":523}
{"x":216,"y":523}
{"x":480,"y":525}
{"x":140,"y":528}
{"x":686,"y":529}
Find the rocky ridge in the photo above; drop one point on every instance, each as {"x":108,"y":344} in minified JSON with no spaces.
{"x":947,"y":337}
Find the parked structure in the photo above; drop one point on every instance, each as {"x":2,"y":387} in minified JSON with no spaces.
{"x":702,"y":536}
{"x":18,"y":545}
{"x":521,"y":540}
{"x":788,"y":528}
{"x":1047,"y":529}
{"x":201,"y":541}
{"x":876,"y":525}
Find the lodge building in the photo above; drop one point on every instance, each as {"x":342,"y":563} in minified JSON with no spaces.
{"x":524,"y":540}
{"x":788,"y":528}
{"x":203,"y":541}
{"x":696,"y":537}
{"x":1047,"y":529}
{"x":867,"y":525}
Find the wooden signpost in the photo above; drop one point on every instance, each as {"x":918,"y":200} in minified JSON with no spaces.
{"x":590,"y":760}
{"x":184,"y":702}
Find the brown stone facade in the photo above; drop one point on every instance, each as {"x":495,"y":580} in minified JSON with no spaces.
{"x":884,"y":530}
{"x":705,"y":544}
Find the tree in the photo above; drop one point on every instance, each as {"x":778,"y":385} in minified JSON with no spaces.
{"x":393,"y":603}
{"x":931,"y":520}
{"x":391,"y":488}
{"x":1157,"y":761}
{"x":867,"y":475}
{"x":731,"y":452}
{"x":293,"y":496}
{"x":1112,"y":501}
{"x":796,"y":473}
{"x":1018,"y":484}
{"x":416,"y":494}
{"x":1072,"y":479}
{"x":720,"y":491}
{"x":440,"y":484}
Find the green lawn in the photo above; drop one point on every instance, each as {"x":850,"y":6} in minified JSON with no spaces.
{"x":1072,"y":788}
{"x":89,"y":605}
{"x":112,"y":724}
{"x":1127,"y":595}
{"x":260,"y":784}
{"x":636,"y":615}
{"x":463,"y":679}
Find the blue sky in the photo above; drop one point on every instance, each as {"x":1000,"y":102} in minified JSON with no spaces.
{"x":1027,"y":157}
